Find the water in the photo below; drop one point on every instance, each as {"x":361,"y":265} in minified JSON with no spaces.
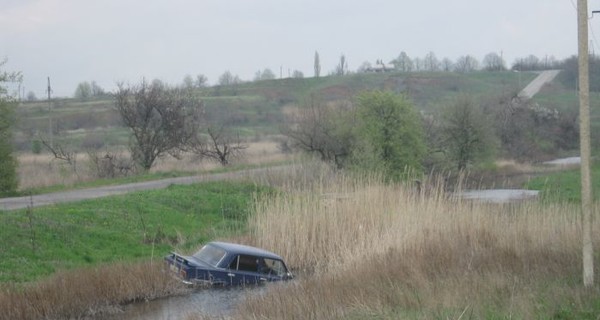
{"x":215,"y":302}
{"x":565,"y":161}
{"x":512,"y":195}
{"x":498,"y":195}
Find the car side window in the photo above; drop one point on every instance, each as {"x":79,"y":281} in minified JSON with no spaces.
{"x":245,"y":263}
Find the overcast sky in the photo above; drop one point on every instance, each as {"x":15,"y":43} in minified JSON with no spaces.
{"x":111,"y":41}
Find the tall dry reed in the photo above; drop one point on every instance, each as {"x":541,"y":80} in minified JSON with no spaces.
{"x":88,"y":292}
{"x":367,"y":247}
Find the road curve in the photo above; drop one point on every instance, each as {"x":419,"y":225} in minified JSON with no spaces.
{"x":99,"y":192}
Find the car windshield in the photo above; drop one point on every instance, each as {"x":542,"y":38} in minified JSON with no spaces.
{"x":210,"y":254}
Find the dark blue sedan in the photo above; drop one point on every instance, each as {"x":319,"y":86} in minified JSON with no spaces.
{"x":222,"y":263}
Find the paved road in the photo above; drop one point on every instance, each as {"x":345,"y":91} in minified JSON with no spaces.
{"x":99,"y":192}
{"x":534,"y":87}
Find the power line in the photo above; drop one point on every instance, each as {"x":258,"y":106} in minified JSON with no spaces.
{"x":594,"y":39}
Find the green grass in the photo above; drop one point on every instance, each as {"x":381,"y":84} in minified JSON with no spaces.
{"x":141,"y":225}
{"x":565,"y":186}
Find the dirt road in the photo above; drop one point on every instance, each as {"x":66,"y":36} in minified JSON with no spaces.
{"x":99,"y":192}
{"x":534,"y":87}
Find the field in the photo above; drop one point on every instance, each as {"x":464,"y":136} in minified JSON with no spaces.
{"x":360,"y":247}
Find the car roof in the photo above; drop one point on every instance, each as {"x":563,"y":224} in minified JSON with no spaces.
{"x":234,"y":248}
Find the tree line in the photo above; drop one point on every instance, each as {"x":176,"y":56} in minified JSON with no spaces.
{"x":382,"y":132}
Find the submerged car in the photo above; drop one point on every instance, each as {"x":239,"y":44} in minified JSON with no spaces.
{"x":228,"y":264}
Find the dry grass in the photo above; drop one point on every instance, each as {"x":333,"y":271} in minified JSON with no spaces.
{"x":87,"y":292}
{"x":370,"y":249}
{"x":43,"y":170}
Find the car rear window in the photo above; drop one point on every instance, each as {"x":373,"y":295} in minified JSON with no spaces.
{"x":210,"y":254}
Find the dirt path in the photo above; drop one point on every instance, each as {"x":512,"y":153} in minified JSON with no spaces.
{"x":534,"y":87}
{"x":99,"y":192}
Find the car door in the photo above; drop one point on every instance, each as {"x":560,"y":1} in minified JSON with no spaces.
{"x":244,"y":269}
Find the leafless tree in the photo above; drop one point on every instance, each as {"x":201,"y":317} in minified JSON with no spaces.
{"x":162,"y":120}
{"x":321,"y":129}
{"x":431,"y":62}
{"x":220,"y":144}
{"x":447,"y":65}
{"x":403,"y":63}
{"x":466,"y":64}
{"x":110,"y":164}
{"x":493,"y":62}
{"x":61,"y":153}
{"x":201,"y":81}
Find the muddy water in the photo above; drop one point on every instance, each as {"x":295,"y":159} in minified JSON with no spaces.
{"x":215,"y":302}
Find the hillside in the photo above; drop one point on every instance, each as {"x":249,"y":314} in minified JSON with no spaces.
{"x":255,"y":108}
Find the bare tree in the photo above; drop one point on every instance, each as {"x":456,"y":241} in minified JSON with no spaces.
{"x":297,"y":74}
{"x":188,"y":82}
{"x":447,"y":65}
{"x":201,"y":81}
{"x":110,"y":164}
{"x":61,"y":153}
{"x":220,"y":144}
{"x":466,"y":64}
{"x":431,"y":62}
{"x":162,"y":120}
{"x":322,"y":129}
{"x":493,"y":62}
{"x":403,"y":63}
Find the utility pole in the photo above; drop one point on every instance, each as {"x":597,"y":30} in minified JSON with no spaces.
{"x":585,"y":145}
{"x":50,"y":112}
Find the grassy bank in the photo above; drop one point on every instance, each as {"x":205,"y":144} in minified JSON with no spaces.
{"x":370,"y":250}
{"x":136,"y":226}
{"x":565,"y":186}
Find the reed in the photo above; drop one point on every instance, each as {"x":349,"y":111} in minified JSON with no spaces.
{"x":90,"y":292}
{"x":364,"y":248}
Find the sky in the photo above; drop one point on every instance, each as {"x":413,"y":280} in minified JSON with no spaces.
{"x":112,"y":41}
